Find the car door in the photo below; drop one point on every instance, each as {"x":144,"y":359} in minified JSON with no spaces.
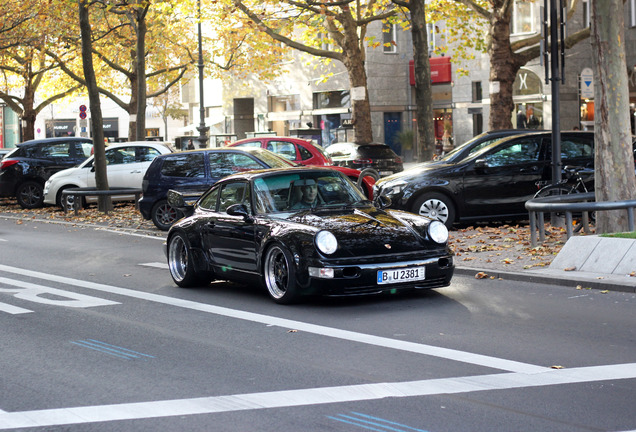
{"x":230,"y":240}
{"x":55,"y":156}
{"x":500,"y":181}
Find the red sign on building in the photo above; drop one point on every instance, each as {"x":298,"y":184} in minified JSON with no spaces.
{"x":440,"y":70}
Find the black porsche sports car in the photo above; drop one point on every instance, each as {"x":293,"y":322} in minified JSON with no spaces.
{"x":259,"y":227}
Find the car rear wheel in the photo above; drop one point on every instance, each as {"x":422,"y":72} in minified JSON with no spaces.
{"x":180,"y":263}
{"x":30,"y":195}
{"x":279,"y":275}
{"x":435,"y":206}
{"x":164,"y":215}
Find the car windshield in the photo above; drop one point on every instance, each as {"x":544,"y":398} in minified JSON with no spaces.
{"x":287,"y":192}
{"x":454,"y":153}
{"x":271,"y":159}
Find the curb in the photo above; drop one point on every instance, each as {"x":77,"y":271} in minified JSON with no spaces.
{"x":573,"y":279}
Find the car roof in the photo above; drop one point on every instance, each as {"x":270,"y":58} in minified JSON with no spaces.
{"x":248,"y":175}
{"x":55,"y":139}
{"x":270,"y":138}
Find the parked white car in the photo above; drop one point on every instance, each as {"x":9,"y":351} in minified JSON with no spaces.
{"x":126,"y":165}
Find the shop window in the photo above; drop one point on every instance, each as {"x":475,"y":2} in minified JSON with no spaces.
{"x":523,"y":18}
{"x":389,"y":36}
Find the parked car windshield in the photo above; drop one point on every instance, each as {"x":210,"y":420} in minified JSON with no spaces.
{"x":271,"y":159}
{"x":304,"y":190}
{"x":375,"y":151}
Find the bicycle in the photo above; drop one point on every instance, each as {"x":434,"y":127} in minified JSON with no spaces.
{"x":574,"y":181}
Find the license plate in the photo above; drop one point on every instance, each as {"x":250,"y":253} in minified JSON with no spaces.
{"x":400,"y":275}
{"x":386,"y":173}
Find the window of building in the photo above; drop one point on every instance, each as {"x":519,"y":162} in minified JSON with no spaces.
{"x":477,"y":91}
{"x":478,"y":123}
{"x":389,"y":36}
{"x":332,"y":99}
{"x":632,"y":13}
{"x":523,"y":19}
{"x":587,"y":14}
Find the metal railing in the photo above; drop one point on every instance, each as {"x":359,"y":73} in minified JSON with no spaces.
{"x":568,"y":204}
{"x":78,"y":193}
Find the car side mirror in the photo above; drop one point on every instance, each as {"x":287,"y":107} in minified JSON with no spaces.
{"x":178,"y":201}
{"x":382,"y":202}
{"x":238,"y":210}
{"x":481,"y":165}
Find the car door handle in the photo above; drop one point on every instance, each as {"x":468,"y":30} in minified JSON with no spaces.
{"x":208,"y":226}
{"x":136,"y":172}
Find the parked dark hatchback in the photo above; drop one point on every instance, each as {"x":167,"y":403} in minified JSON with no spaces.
{"x":493,"y":183}
{"x":376,"y":156}
{"x":194,"y":172}
{"x":24,"y":171}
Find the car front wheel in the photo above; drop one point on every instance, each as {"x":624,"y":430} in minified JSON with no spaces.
{"x":435,"y":206}
{"x":181,"y":265}
{"x":164,"y":215}
{"x":30,"y":195}
{"x":279,"y":275}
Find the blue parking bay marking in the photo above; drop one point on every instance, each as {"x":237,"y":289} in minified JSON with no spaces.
{"x":111,"y":349}
{"x":373,"y":423}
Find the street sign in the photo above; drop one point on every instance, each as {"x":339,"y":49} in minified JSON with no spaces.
{"x":587,"y":84}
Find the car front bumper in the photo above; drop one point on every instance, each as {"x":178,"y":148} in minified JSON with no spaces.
{"x":362,"y":279}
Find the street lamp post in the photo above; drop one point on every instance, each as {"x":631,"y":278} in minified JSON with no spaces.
{"x":203,"y":129}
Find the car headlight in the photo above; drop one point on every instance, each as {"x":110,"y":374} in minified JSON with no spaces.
{"x":326,"y":242}
{"x":438,"y":232}
{"x":393,"y":188}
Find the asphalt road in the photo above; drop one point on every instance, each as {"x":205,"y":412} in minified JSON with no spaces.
{"x":95,"y":337}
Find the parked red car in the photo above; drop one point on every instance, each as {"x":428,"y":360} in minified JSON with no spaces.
{"x":303,"y":152}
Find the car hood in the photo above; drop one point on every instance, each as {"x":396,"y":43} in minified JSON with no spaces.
{"x":364,"y":231}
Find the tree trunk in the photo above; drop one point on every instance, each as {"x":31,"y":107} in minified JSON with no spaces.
{"x":423,"y":93}
{"x":503,"y":68}
{"x":141,"y":74}
{"x":28,"y":116}
{"x":353,"y":60}
{"x":614,"y":160}
{"x":97,"y":123}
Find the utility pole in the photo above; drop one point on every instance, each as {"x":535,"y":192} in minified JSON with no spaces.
{"x":203,"y":129}
{"x":553,"y":31}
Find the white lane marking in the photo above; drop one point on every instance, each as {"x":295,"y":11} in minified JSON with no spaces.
{"x":159,"y":265}
{"x":3,"y":239}
{"x":312,"y":396}
{"x":130,"y":233}
{"x":33,"y":292}
{"x":460,"y":356}
{"x":13,"y":310}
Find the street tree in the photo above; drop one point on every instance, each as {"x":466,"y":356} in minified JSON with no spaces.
{"x":168,"y":46}
{"x":30,"y":81}
{"x":313,"y":27}
{"x":614,"y":159}
{"x":99,"y":150}
{"x":506,"y":56}
{"x":422,"y":67}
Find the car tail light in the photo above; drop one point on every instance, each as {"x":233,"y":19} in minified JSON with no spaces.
{"x":363,"y":161}
{"x":7,"y":163}
{"x":398,"y":160}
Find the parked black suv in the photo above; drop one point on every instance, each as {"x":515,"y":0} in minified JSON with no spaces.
{"x":493,"y":183}
{"x":194,"y":172}
{"x":24,"y":171}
